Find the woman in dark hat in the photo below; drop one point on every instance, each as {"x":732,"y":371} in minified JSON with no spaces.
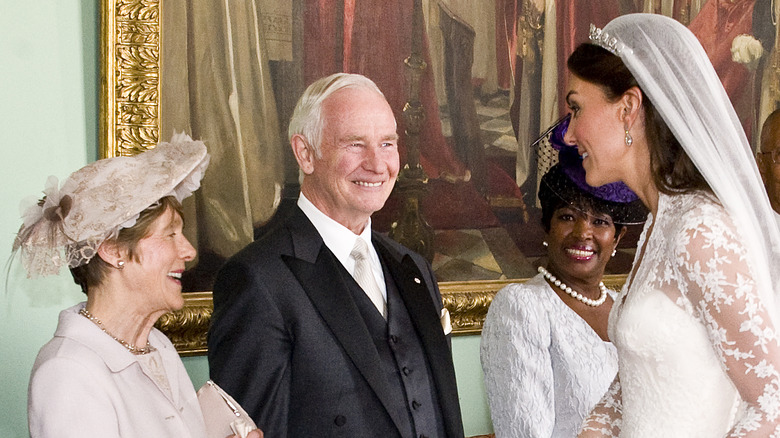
{"x":545,"y":353}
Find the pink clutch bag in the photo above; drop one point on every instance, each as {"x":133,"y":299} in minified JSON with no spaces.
{"x":223,"y":416}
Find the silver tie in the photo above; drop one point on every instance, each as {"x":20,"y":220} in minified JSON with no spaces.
{"x":365,"y":277}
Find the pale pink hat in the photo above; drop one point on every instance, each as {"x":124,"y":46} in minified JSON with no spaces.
{"x":98,"y":200}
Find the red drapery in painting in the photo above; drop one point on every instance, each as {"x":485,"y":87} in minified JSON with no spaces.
{"x":373,"y":38}
{"x":715,"y":26}
{"x":506,"y":41}
{"x":573,"y":20}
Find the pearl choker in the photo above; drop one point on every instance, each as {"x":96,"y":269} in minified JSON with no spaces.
{"x":573,"y":293}
{"x":130,"y":347}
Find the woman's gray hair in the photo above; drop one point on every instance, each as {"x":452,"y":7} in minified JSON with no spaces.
{"x":307,"y":115}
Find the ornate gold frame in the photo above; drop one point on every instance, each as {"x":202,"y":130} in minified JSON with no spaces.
{"x":130,"y":123}
{"x":130,"y":76}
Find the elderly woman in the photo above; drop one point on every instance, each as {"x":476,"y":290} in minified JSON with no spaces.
{"x":107,"y":372}
{"x":545,"y":353}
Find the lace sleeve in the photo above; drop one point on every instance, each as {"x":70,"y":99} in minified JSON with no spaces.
{"x":517,"y":365}
{"x":719,"y":285}
{"x":605,"y":418}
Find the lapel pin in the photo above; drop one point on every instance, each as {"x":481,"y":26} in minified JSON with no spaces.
{"x":416,"y":280}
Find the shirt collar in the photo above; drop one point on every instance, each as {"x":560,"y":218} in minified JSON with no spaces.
{"x":338,"y":238}
{"x":76,"y":327}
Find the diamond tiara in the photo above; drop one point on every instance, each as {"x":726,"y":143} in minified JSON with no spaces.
{"x":605,"y":40}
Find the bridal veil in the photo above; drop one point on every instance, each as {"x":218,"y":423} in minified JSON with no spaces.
{"x":675,"y":73}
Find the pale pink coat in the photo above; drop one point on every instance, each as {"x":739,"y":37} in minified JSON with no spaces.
{"x":85,"y":384}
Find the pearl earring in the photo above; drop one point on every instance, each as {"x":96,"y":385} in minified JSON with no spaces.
{"x":545,"y":244}
{"x":120,"y":265}
{"x":614,"y":251}
{"x":629,"y":140}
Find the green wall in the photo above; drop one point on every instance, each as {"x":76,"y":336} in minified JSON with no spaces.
{"x":48,"y":126}
{"x":48,"y":112}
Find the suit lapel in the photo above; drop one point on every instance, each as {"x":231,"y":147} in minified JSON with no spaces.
{"x":417,"y":298}
{"x":425,"y":317}
{"x":319,"y":274}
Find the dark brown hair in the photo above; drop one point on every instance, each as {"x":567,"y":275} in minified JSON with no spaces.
{"x":672,"y":169}
{"x":94,"y":272}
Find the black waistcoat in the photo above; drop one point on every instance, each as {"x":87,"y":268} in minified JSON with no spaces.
{"x":403,"y":362}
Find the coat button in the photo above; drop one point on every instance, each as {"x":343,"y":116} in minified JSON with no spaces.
{"x":406,"y":371}
{"x":415,"y":405}
{"x":340,"y":420}
{"x":394,"y":339}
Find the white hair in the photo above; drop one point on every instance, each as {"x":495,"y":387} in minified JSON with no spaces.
{"x":307,"y":115}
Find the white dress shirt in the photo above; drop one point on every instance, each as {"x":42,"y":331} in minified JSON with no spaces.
{"x":340,"y":240}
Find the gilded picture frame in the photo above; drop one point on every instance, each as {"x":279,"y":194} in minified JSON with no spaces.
{"x":130,"y":123}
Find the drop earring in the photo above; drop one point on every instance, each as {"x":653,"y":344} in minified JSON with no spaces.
{"x":629,"y":140}
{"x":545,"y":244}
{"x":614,"y":251}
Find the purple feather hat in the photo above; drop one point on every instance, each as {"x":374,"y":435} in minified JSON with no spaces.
{"x":566,"y":180}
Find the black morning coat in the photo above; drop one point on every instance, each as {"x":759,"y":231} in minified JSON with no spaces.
{"x":289,"y":342}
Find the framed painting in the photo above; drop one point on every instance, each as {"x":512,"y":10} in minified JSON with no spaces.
{"x":472,"y":84}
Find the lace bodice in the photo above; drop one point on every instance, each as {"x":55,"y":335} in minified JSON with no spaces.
{"x":698,"y":356}
{"x":544,"y":366}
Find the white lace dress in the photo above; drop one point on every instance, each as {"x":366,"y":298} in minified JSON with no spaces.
{"x":544,"y":366}
{"x":689,"y":332}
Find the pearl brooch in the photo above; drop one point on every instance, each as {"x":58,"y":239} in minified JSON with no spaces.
{"x":573,"y":293}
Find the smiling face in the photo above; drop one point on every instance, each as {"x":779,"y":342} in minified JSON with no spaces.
{"x":359,"y":161}
{"x":159,"y":262}
{"x":597,"y":128}
{"x":580,"y":245}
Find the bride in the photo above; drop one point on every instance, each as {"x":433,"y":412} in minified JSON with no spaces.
{"x":695,"y":324}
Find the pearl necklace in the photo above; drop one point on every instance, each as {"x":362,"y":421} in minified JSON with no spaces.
{"x":573,"y":293}
{"x":130,"y":347}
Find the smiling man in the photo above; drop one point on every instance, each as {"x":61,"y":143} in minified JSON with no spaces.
{"x":323,"y":327}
